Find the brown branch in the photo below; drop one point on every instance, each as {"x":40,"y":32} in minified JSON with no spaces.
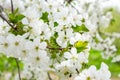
{"x":49,"y":77}
{"x":1,"y":15}
{"x":77,"y":71}
{"x":75,"y":9}
{"x":12,"y":8}
{"x":1,"y":9}
{"x":68,"y":1}
{"x":7,"y":21}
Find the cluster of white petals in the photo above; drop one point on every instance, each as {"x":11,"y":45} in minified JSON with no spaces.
{"x":56,"y":36}
{"x":93,"y":74}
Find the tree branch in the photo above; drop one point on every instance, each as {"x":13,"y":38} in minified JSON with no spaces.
{"x":77,"y":71}
{"x":1,"y":15}
{"x":49,"y":76}
{"x":12,"y":8}
{"x":1,"y":9}
{"x":7,"y":21}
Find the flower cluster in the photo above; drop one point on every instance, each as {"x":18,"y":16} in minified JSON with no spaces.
{"x":93,"y":74}
{"x":54,"y":36}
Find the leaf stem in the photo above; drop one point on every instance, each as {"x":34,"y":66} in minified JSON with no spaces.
{"x":17,"y":63}
{"x":55,"y":48}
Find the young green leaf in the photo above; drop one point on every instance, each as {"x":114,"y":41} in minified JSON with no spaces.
{"x":45,"y":17}
{"x":19,"y":17}
{"x":81,"y":28}
{"x":15,"y":18}
{"x":81,"y":45}
{"x":55,"y":24}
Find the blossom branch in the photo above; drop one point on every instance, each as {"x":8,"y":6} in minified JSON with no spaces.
{"x":17,"y":62}
{"x":7,"y":21}
{"x":2,"y":16}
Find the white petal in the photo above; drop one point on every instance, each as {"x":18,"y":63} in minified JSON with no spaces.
{"x":67,"y":55}
{"x":43,"y":45}
{"x":73,"y":51}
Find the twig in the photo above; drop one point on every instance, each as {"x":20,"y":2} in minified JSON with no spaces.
{"x":55,"y":48}
{"x":75,"y":8}
{"x":77,"y":71}
{"x":12,"y":8}
{"x":1,"y":9}
{"x":1,"y":15}
{"x":68,"y":1}
{"x":17,"y":62}
{"x":6,"y":21}
{"x":49,"y":76}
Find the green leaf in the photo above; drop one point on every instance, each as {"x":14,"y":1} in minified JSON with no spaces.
{"x":8,"y":64}
{"x":12,"y":18}
{"x":55,"y":24}
{"x":54,"y":46}
{"x":96,"y":40}
{"x":83,"y":20}
{"x":45,"y":17}
{"x":112,"y":21}
{"x":53,"y":42}
{"x":81,"y":45}
{"x":19,"y":17}
{"x":16,"y":11}
{"x":81,"y":28}
{"x":15,"y":18}
{"x":19,"y":29}
{"x":54,"y":55}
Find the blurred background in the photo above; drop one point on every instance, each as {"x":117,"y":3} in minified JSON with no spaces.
{"x":95,"y":57}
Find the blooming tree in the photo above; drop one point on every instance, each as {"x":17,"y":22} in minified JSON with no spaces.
{"x":55,"y":36}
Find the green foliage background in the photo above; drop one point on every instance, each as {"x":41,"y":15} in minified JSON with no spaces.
{"x":95,"y":57}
